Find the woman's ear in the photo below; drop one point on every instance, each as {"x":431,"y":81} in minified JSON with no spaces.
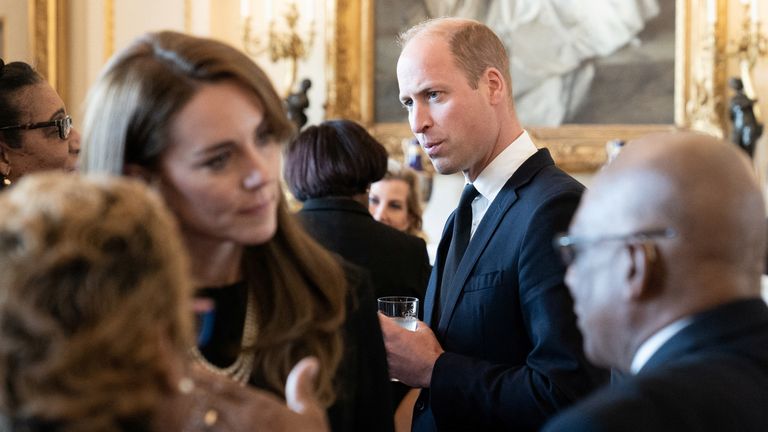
{"x":5,"y":163}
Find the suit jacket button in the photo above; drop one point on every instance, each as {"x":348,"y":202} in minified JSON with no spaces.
{"x":420,"y":405}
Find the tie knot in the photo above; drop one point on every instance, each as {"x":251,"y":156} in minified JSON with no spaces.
{"x":467,"y":195}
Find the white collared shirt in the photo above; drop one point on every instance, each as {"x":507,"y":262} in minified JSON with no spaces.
{"x":497,"y":173}
{"x":653,"y":343}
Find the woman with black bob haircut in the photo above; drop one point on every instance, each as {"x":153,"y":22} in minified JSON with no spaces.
{"x":330,"y":167}
{"x":336,"y":158}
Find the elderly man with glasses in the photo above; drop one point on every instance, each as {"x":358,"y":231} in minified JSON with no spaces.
{"x":664,"y":260}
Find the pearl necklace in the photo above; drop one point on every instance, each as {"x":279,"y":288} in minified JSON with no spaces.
{"x":242,"y":367}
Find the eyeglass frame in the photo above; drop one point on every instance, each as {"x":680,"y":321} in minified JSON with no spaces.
{"x":567,"y":245}
{"x":64,"y":126}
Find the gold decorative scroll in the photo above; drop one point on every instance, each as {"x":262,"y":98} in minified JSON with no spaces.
{"x":48,"y":19}
{"x":700,"y":83}
{"x":350,"y":59}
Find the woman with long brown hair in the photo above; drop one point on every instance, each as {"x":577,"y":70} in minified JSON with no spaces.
{"x":201,"y":123}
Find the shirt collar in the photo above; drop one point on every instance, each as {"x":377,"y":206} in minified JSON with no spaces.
{"x":498,"y":172}
{"x":653,"y":343}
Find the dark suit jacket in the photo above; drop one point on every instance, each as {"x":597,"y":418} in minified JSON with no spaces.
{"x":363,"y":400}
{"x":711,"y":376}
{"x":397,"y":262}
{"x":513,"y":351}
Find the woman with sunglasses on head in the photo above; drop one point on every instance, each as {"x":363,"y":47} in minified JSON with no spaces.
{"x":36,"y":133}
{"x":201,"y":123}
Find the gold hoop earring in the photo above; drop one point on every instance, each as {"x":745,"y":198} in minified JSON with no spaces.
{"x":6,"y":180}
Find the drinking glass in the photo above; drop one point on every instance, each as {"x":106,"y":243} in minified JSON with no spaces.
{"x":402,"y":310}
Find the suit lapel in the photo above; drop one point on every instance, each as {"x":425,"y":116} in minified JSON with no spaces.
{"x":479,"y":241}
{"x":488,"y":226}
{"x":711,"y":327}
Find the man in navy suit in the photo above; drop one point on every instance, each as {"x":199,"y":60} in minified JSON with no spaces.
{"x":666,"y":253}
{"x":505,"y":353}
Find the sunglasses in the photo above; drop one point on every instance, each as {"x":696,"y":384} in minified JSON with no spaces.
{"x":64,"y":125}
{"x":571,"y":246}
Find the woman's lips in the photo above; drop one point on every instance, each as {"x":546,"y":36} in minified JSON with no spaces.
{"x":263,"y":199}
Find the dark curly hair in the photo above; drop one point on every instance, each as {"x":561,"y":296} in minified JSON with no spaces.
{"x":14,"y":76}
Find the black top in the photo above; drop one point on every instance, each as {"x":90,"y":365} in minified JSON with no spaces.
{"x":397,"y":262}
{"x":363,"y":400}
{"x":220,"y":344}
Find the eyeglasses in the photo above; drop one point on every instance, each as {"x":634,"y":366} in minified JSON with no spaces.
{"x":570,"y":246}
{"x":63,"y":124}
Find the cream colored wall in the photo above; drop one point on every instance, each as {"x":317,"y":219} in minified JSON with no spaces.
{"x":211,"y":18}
{"x":89,"y":32}
{"x":86,"y":51}
{"x":15,"y":13}
{"x":136,"y":17}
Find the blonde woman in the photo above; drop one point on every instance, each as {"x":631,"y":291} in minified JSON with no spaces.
{"x":201,"y":123}
{"x":95,"y":322}
{"x":394,"y":200}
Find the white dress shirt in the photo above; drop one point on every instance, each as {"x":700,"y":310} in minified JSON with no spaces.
{"x":653,"y":343}
{"x":497,"y":173}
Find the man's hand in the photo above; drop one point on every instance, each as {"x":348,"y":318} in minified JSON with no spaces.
{"x":411,"y":355}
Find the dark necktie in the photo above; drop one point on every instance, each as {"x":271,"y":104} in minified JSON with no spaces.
{"x":462,"y":227}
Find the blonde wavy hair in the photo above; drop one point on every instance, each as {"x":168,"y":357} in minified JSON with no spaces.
{"x":93,"y":291}
{"x":413,"y":200}
{"x":300,"y":288}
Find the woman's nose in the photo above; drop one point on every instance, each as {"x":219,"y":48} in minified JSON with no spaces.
{"x":73,"y":141}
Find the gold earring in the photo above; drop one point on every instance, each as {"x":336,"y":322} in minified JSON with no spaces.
{"x":6,"y":180}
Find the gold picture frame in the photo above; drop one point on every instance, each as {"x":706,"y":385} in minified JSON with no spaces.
{"x":2,"y":37}
{"x":49,"y":40}
{"x":700,"y":83}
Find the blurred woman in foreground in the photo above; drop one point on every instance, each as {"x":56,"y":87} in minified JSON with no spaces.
{"x":95,"y":322}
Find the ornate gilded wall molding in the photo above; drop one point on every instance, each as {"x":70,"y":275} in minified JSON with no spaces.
{"x":49,"y":42}
{"x":702,"y":68}
{"x":345,"y":58}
